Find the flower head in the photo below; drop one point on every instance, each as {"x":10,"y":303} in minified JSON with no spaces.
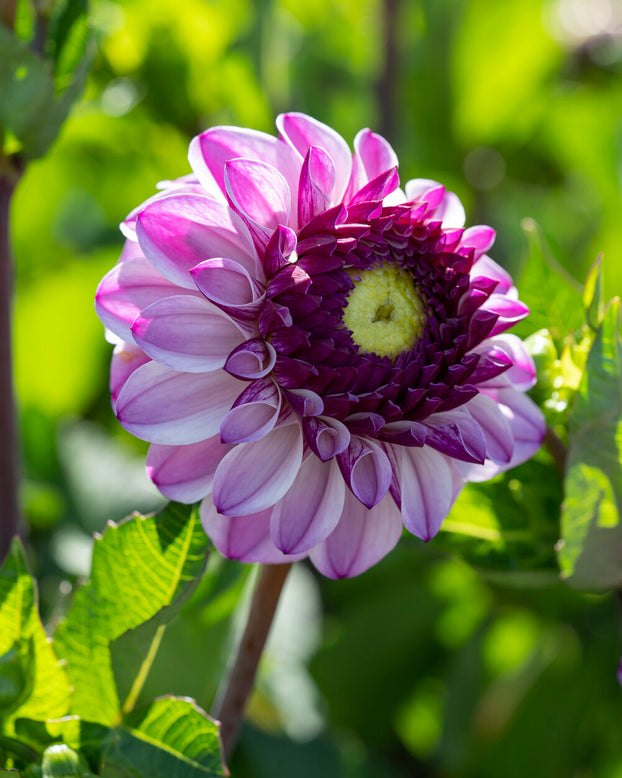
{"x":318,"y":355}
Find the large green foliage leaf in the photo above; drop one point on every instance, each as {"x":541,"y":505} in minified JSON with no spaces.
{"x":31,"y":660}
{"x":140,"y":567}
{"x":171,"y":738}
{"x":553,"y":297}
{"x":591,"y":552}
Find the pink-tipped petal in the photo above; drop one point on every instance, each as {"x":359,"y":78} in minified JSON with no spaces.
{"x":186,"y":333}
{"x":317,"y":179}
{"x":260,"y":195}
{"x":521,"y":373}
{"x":366,"y":469}
{"x":164,"y":406}
{"x":254,"y":413}
{"x":495,"y":426}
{"x":427,"y":489}
{"x":311,"y":508}
{"x":301,"y":132}
{"x":178,"y":232}
{"x":425,"y":190}
{"x":129,"y":287}
{"x":212,"y":149}
{"x":508,"y":310}
{"x":479,"y":238}
{"x":185,"y":473}
{"x":245,"y":538}
{"x":373,"y":155}
{"x":126,"y":358}
{"x":485,"y":267}
{"x":450,"y":211}
{"x":361,"y":539}
{"x":254,"y":476}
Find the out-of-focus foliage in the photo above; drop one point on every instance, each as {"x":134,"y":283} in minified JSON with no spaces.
{"x":77,"y":719}
{"x":466,"y":658}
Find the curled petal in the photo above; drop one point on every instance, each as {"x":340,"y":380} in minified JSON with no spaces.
{"x":178,"y":232}
{"x":495,"y":426}
{"x":185,"y":473}
{"x":164,"y":406}
{"x":366,"y":469}
{"x":311,"y":508}
{"x":305,"y":402}
{"x":254,"y":413}
{"x":317,"y":179}
{"x":427,"y":490}
{"x":485,"y":267}
{"x":212,"y":149}
{"x":301,"y":132}
{"x":129,"y":287}
{"x":479,"y":238}
{"x":255,"y":475}
{"x":252,"y":359}
{"x":245,"y":538}
{"x":230,"y":286}
{"x":279,"y":250}
{"x":525,"y":419}
{"x":361,"y":538}
{"x":457,"y":434}
{"x":186,"y":333}
{"x":261,"y":196}
{"x":508,"y":310}
{"x":326,"y":436}
{"x":425,"y":190}
{"x":509,"y":350}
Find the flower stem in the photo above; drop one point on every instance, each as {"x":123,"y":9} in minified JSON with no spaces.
{"x":556,"y":448}
{"x":232,"y":697}
{"x":9,"y":510}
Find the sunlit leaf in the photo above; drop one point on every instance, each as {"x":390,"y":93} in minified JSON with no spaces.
{"x":19,"y":624}
{"x":60,"y":761}
{"x":139,"y":568}
{"x":590,"y":554}
{"x":171,"y":738}
{"x":553,"y":297}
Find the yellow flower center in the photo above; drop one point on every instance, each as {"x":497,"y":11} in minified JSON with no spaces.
{"x":385,"y":312}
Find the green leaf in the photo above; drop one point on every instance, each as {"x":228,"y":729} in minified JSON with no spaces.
{"x":553,"y":297}
{"x":593,"y":295}
{"x":590,"y":553}
{"x":171,"y":738}
{"x":26,"y":87}
{"x":82,"y":736}
{"x":504,"y":526}
{"x":30,"y":109}
{"x":20,"y":624}
{"x":16,"y":668}
{"x":60,"y":761}
{"x":140,"y":567}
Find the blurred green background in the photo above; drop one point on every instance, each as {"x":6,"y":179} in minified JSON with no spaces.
{"x":424,"y":666}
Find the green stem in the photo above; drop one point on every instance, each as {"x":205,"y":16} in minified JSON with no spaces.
{"x":232,"y":697}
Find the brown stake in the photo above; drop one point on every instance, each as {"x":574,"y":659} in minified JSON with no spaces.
{"x":9,"y":510}
{"x":229,"y":706}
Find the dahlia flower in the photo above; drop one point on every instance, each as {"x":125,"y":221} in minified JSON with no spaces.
{"x":316,"y":354}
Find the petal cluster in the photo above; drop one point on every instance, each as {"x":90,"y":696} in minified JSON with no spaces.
{"x":233,"y":359}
